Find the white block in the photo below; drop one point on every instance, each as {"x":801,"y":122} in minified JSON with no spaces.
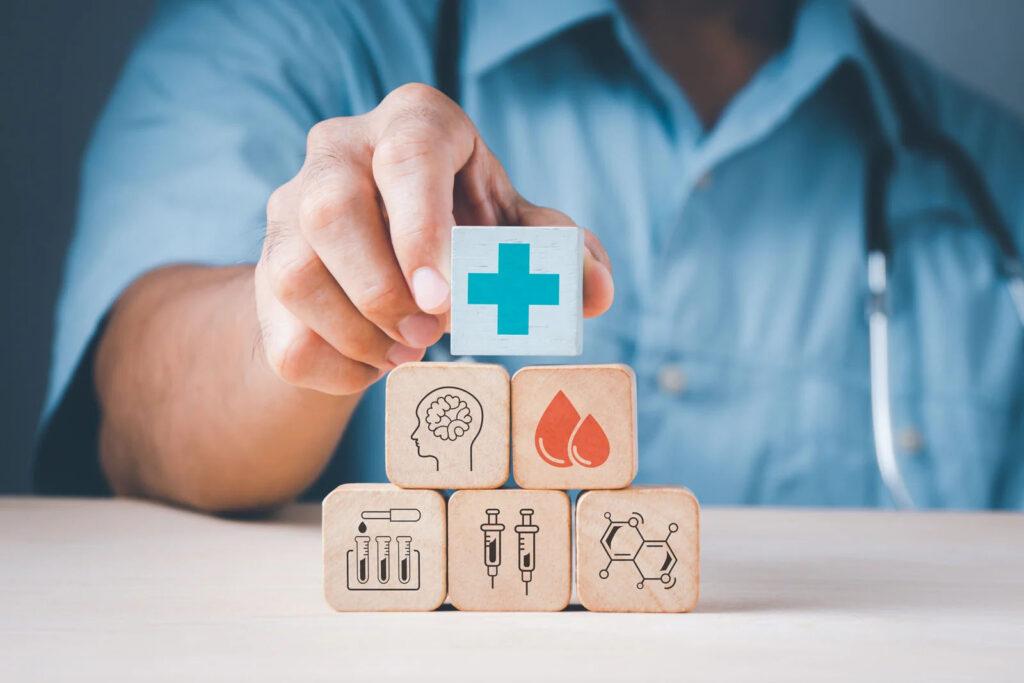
{"x":532,"y":305}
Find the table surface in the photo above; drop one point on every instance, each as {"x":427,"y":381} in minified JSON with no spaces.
{"x":118,"y":589}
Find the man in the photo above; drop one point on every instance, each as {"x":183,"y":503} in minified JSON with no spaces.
{"x":715,"y":150}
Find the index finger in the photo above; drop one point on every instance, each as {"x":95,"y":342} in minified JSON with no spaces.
{"x":423,"y":142}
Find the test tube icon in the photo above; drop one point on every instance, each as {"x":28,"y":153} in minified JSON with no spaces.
{"x":362,"y":559}
{"x":404,"y":558}
{"x":492,"y":543}
{"x":527,"y":546}
{"x":383,"y":559}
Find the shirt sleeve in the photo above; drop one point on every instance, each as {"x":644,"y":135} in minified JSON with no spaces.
{"x":209,"y":116}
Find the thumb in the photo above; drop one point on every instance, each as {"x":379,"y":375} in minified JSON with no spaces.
{"x":484,"y":195}
{"x":598,"y":286}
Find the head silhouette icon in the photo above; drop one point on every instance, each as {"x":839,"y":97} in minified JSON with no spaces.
{"x":448,"y":420}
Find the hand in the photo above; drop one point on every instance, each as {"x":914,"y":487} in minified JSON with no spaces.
{"x":354,"y":274}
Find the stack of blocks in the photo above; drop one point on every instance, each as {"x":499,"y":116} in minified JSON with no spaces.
{"x":402,"y":547}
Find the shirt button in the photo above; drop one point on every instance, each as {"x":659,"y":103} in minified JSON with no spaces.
{"x":910,"y":441}
{"x":704,"y":182}
{"x":671,"y":380}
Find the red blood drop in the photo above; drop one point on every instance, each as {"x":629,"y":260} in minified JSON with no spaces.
{"x":554,"y":430}
{"x":590,"y":446}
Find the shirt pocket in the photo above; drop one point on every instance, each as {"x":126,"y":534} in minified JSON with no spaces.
{"x":748,"y":432}
{"x":803,"y":435}
{"x":956,"y":361}
{"x":952,"y":449}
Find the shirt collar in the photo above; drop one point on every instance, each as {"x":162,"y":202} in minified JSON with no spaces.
{"x":829,"y":31}
{"x":825,"y":36}
{"x":826,"y":39}
{"x":496,"y":30}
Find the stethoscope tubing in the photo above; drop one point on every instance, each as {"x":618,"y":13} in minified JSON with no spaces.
{"x":881,"y":392}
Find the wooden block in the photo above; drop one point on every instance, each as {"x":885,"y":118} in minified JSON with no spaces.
{"x":384,"y":549}
{"x":638,"y":549}
{"x":517,"y":291}
{"x":447,"y":425}
{"x":509,"y":550}
{"x":574,"y":427}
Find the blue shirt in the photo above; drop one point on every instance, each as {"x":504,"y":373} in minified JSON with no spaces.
{"x":738,"y":251}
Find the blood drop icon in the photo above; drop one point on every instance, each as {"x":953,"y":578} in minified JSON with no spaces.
{"x":555,"y":429}
{"x":589,"y":446}
{"x":563,"y":437}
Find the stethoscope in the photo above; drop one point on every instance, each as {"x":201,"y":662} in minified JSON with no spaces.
{"x":917,"y":134}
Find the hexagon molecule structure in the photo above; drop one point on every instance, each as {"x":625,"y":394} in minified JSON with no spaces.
{"x":653,"y":559}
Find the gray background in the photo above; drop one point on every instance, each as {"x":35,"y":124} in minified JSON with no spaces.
{"x":60,"y":57}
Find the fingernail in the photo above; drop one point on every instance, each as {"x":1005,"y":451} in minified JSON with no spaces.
{"x":420,"y":329}
{"x":400,"y":353}
{"x":601,"y":256}
{"x":429,"y":288}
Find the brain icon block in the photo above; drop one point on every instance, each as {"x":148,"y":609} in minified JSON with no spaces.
{"x":449,"y":417}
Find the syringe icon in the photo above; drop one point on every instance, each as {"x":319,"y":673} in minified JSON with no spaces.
{"x":527,"y":546}
{"x":492,"y":543}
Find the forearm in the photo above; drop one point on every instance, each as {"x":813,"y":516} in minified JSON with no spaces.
{"x":191,"y":412}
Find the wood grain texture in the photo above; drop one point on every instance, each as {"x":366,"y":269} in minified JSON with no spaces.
{"x":515,"y":530}
{"x":109,"y":590}
{"x":384,"y":549}
{"x":638,"y":550}
{"x":553,"y":330}
{"x":447,"y":425}
{"x":574,"y":427}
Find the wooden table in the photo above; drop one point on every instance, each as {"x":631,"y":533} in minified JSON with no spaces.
{"x":124,"y":590}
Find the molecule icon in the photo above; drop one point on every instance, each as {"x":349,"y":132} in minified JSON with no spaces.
{"x":624,"y":542}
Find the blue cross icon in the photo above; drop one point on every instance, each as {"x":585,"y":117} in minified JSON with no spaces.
{"x":513,"y":288}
